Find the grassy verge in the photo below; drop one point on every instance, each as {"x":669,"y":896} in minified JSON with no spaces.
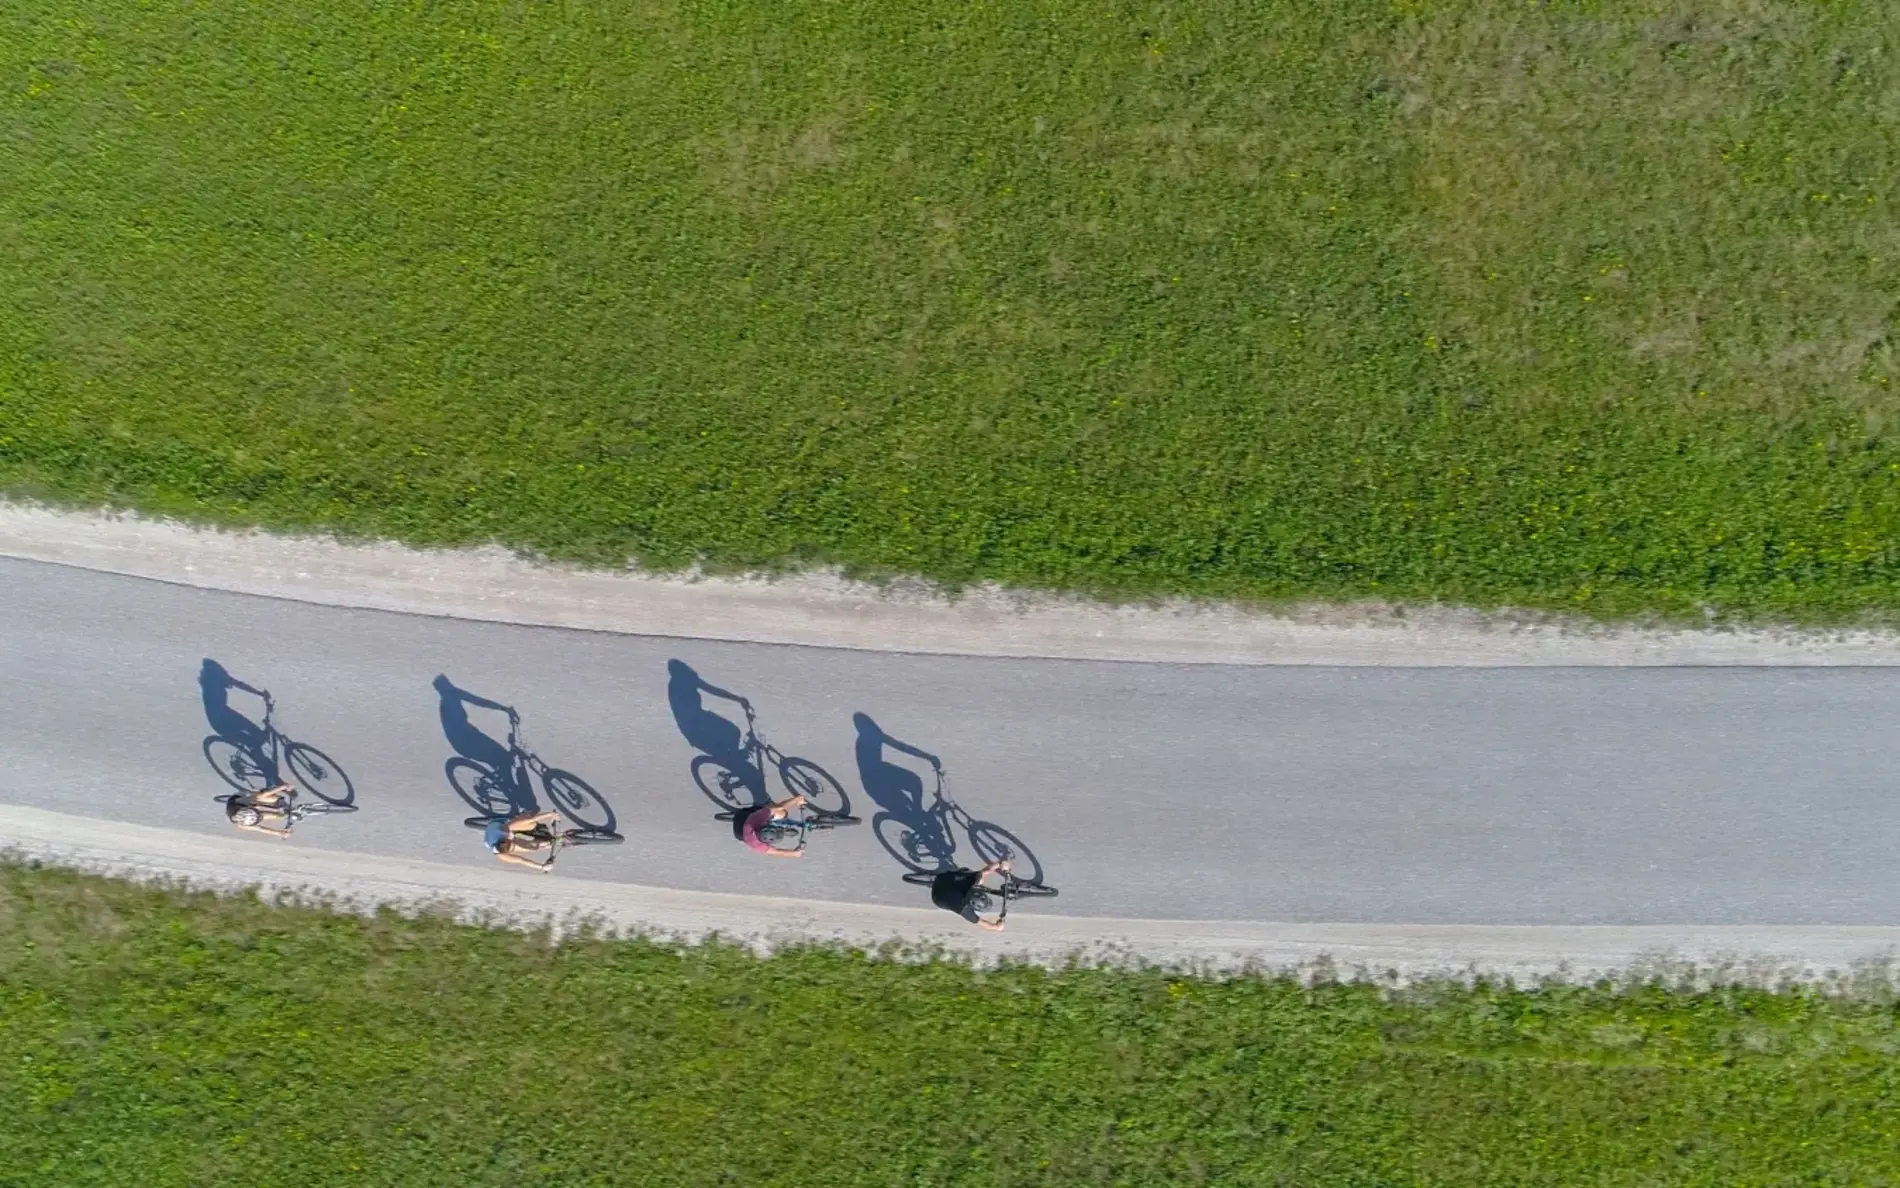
{"x":1563,"y":305}
{"x":155,"y":1039}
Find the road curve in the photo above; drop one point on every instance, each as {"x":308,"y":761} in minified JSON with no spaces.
{"x":1361,"y":796}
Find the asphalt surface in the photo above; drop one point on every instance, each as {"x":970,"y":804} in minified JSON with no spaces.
{"x":1403,"y":796}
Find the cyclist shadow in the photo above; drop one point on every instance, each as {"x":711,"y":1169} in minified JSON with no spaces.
{"x":252,"y":756}
{"x":498,"y":779}
{"x":920,"y":827}
{"x":724,"y":768}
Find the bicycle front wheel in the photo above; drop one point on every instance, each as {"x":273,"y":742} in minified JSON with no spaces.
{"x":593,"y":837}
{"x":821,"y":791}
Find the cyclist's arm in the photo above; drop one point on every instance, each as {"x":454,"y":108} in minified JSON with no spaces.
{"x":528,"y":821}
{"x":778,"y":853}
{"x":989,"y":925}
{"x":273,"y":831}
{"x":914,"y":752}
{"x":518,"y":860}
{"x":716,"y":691}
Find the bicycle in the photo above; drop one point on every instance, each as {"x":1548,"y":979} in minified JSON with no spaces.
{"x":297,"y":810}
{"x":732,"y":790}
{"x":555,"y":840}
{"x":927,"y":844}
{"x":254,"y":771}
{"x":490,"y":794}
{"x":983,"y":898}
{"x":789,"y":833}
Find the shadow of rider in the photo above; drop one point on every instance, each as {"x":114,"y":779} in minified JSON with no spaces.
{"x":711,"y":733}
{"x":893,"y":787}
{"x":471,"y":743}
{"x":215,"y":685}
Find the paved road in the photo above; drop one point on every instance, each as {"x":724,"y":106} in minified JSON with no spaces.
{"x":1615,"y":796}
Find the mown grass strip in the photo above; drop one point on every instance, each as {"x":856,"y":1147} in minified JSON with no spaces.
{"x":1564,"y":305}
{"x":155,"y":1038}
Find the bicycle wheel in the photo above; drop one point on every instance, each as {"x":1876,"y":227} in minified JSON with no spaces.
{"x":318,"y":808}
{"x":1021,"y":890}
{"x":236,"y":765}
{"x":922,"y":878}
{"x":911,"y":847}
{"x":833,"y":820}
{"x":723,"y":786}
{"x":824,"y":794}
{"x":782,"y":835}
{"x":317,"y":773}
{"x":478,"y":788}
{"x":993,"y":843}
{"x":593,"y":837}
{"x":577,"y":801}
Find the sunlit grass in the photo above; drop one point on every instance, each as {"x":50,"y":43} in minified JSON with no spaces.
{"x":1557,"y":305}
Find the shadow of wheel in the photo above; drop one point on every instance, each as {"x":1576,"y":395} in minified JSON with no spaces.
{"x":993,"y":843}
{"x":823,"y":793}
{"x":316,"y":773}
{"x":236,"y":765}
{"x":723,"y":786}
{"x":577,"y":801}
{"x":913,"y":848}
{"x":478,"y":788}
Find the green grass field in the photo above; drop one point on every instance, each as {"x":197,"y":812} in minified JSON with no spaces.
{"x":1567,"y":305}
{"x":153,"y":1039}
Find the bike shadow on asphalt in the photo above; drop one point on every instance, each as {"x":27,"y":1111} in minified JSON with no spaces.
{"x":730,"y":768}
{"x":499,"y":778}
{"x":918,"y":822}
{"x":252,"y":755}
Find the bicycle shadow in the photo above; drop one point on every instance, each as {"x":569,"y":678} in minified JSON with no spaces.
{"x":920,"y":827}
{"x":730,"y":768}
{"x":497,"y":778}
{"x":252,"y":756}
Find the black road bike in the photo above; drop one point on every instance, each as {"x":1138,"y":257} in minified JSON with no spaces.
{"x":733,"y":790}
{"x":493,"y":794}
{"x":297,"y":810}
{"x":794,"y":829}
{"x":985,"y":898}
{"x":553,"y":840}
{"x":926,"y":841}
{"x":254,"y":769}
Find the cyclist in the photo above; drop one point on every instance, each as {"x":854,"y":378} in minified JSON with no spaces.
{"x":254,"y":810}
{"x":957,"y":891}
{"x":746,"y":824}
{"x":509,"y":838}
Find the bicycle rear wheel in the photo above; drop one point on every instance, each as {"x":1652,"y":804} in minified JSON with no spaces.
{"x":922,"y":878}
{"x":823,"y":793}
{"x":317,"y":808}
{"x":782,"y":836}
{"x":1022,"y":890}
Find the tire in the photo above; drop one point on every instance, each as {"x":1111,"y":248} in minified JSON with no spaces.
{"x":911,"y":848}
{"x":478,"y":788}
{"x":1031,"y":891}
{"x":723,"y":786}
{"x":833,"y":820}
{"x":922,"y":878}
{"x":824,"y":794}
{"x":236,"y":765}
{"x":993,"y":843}
{"x":316,"y":773}
{"x":318,"y":808}
{"x":577,"y":801}
{"x":480,"y":822}
{"x":593,"y":837}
